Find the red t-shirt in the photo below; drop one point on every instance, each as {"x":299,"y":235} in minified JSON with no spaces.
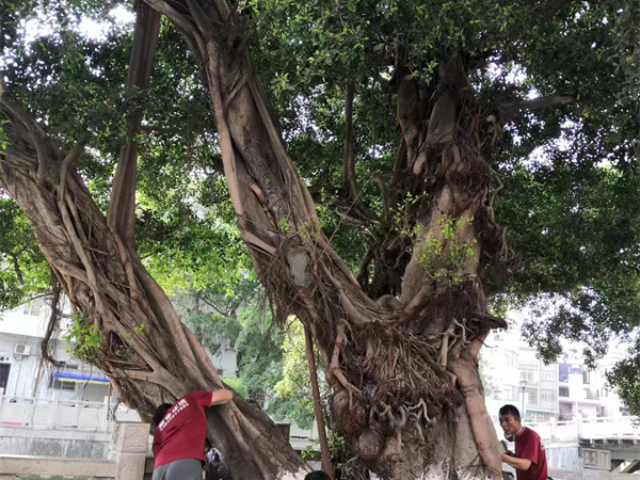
{"x":529,"y":446}
{"x":183,"y":430}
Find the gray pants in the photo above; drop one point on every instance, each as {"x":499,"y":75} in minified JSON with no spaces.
{"x":188,"y":469}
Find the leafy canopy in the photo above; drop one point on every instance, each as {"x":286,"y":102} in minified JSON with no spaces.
{"x":569,"y":173}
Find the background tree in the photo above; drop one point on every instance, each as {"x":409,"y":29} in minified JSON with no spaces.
{"x":425,"y":128}
{"x":23,"y":270}
{"x":272,"y":367}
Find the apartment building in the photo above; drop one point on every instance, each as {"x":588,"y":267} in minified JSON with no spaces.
{"x":23,"y":374}
{"x":585,"y":393}
{"x":513,"y":373}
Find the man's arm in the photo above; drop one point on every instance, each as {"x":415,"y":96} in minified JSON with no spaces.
{"x":220,"y":396}
{"x":517,"y":463}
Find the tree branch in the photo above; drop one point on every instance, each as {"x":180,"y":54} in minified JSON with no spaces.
{"x":217,"y":308}
{"x":349,"y":164}
{"x":317,"y":405}
{"x":358,"y":215}
{"x":121,"y":215}
{"x":54,"y":320}
{"x":16,"y":267}
{"x":363,"y":275}
{"x":71,"y":158}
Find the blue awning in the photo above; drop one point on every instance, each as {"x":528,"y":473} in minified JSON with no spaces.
{"x":80,"y":378}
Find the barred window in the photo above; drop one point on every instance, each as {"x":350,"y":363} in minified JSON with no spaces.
{"x":548,"y":395}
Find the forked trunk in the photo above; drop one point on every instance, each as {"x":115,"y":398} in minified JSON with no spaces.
{"x":126,"y":324}
{"x":149,"y":356}
{"x":404,"y":370}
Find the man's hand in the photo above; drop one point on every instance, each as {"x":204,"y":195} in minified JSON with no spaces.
{"x":221,"y":396}
{"x":518,"y":463}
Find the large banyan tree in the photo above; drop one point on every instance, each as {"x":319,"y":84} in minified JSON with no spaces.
{"x":466,"y":151}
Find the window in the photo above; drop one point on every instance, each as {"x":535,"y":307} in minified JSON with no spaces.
{"x":33,"y":307}
{"x":563,"y":392}
{"x":532,"y":394}
{"x":509,"y":392}
{"x":588,"y":394}
{"x":528,"y":375}
{"x":586,"y":376}
{"x":563,"y":372}
{"x":61,"y":384}
{"x":510,"y":359}
{"x":547,"y":395}
{"x":549,"y":376}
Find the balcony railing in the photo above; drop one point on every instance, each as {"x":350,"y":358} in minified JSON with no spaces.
{"x":59,"y":414}
{"x":622,"y":428}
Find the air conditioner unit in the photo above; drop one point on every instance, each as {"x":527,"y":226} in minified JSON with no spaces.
{"x":21,"y":349}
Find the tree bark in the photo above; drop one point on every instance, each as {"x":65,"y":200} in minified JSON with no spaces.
{"x":148,"y":354}
{"x":349,"y":160}
{"x":317,"y":405}
{"x":404,"y":371}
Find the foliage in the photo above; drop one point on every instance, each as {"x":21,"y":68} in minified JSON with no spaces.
{"x":23,"y":270}
{"x":85,"y":338}
{"x":272,"y":365}
{"x":444,"y":257}
{"x":626,"y":378}
{"x":570,"y":173}
{"x":293,"y":398}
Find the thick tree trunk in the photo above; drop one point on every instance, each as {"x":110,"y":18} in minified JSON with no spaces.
{"x":404,"y":370}
{"x":129,"y":327}
{"x":148,"y":354}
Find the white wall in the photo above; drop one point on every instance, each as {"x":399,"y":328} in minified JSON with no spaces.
{"x":29,"y":376}
{"x":226,"y":360}
{"x":506,"y":356}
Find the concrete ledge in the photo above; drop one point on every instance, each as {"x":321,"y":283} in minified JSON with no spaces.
{"x":21,"y":465}
{"x":71,"y":434}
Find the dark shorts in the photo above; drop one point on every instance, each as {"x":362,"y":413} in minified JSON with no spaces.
{"x":189,"y":469}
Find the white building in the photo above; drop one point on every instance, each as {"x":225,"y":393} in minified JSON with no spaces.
{"x":515,"y":374}
{"x":23,"y":374}
{"x":584,"y":392}
{"x":67,"y":411}
{"x":519,"y":377}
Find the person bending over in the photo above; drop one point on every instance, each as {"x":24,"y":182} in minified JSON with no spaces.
{"x":529,"y":460}
{"x":181,"y":431}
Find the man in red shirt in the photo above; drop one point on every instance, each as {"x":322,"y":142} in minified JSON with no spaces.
{"x":181,"y":430}
{"x":529,"y":460}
